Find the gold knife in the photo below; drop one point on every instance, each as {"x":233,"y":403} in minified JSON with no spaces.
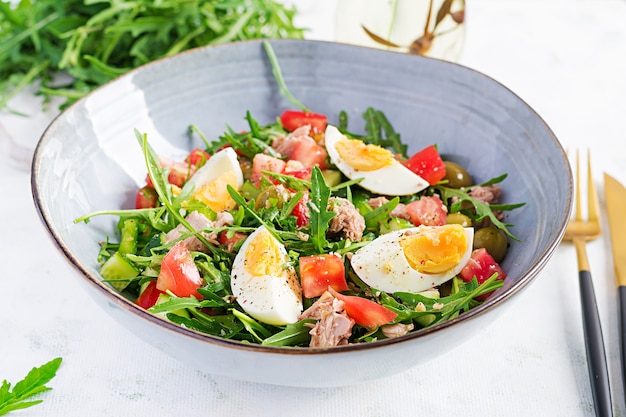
{"x":615,"y":195}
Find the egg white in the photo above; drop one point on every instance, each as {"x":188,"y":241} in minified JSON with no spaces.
{"x":271,"y":299}
{"x":382,"y":264}
{"x":219,"y":163}
{"x":392,"y":179}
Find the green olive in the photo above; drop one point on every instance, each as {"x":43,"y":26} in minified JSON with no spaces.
{"x":456,"y":175}
{"x":493,"y":240}
{"x":273,"y":196}
{"x":459,"y":218}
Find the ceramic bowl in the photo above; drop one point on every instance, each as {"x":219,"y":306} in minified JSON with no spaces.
{"x":88,"y":159}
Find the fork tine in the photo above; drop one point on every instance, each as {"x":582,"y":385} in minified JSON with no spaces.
{"x":593,"y":201}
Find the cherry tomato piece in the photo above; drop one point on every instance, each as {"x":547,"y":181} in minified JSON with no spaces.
{"x":179,"y":274}
{"x":197,"y":157}
{"x":293,"y":119}
{"x":428,"y":164}
{"x":148,"y":296}
{"x":482,"y":266}
{"x":364,"y":312}
{"x":318,"y":272}
{"x":146,"y":197}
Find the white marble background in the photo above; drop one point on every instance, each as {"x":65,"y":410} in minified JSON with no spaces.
{"x":566,"y":58}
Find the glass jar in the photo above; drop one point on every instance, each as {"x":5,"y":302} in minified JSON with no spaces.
{"x":433,"y":28}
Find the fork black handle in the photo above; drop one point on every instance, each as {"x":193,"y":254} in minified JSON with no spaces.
{"x":594,"y":343}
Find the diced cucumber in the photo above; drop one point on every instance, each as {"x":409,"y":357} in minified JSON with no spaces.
{"x":166,"y":297}
{"x":118,"y":271}
{"x":130,"y":231}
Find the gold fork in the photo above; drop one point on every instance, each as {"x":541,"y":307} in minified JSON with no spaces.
{"x":579,"y":231}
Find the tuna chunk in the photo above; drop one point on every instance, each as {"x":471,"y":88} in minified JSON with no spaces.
{"x":348,"y":223}
{"x":333,"y":327}
{"x":487,"y":194}
{"x":199,"y":222}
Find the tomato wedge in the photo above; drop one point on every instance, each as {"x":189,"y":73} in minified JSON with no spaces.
{"x":293,"y":119}
{"x":318,"y":272}
{"x":428,"y":164}
{"x":482,"y":266}
{"x":309,"y":153}
{"x":148,"y":296}
{"x":364,"y":312}
{"x":231,"y":242}
{"x":197,"y":157}
{"x":301,"y":211}
{"x":179,"y":274}
{"x":146,"y":197}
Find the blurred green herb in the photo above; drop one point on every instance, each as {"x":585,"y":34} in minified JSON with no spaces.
{"x":94,"y":41}
{"x":33,"y":383}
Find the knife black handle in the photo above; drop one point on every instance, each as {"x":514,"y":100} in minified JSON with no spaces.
{"x":622,"y":323}
{"x":594,"y":343}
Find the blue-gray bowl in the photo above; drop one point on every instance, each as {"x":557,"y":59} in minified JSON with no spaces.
{"x":88,"y":160}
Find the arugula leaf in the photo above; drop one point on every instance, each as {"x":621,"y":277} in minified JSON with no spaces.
{"x":278,"y":76}
{"x":195,"y":129}
{"x":293,"y":335}
{"x":441,"y":309}
{"x":255,"y":328}
{"x":95,"y":41}
{"x":380,"y":214}
{"x":482,"y":210}
{"x":318,"y":206}
{"x":343,"y":120}
{"x":33,"y":383}
{"x":249,"y":208}
{"x":289,"y":181}
{"x":380,"y":132}
{"x":226,"y":326}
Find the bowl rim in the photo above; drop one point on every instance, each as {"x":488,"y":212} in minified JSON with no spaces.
{"x":119,"y":300}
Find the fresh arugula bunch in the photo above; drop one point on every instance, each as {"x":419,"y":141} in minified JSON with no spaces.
{"x":33,"y":383}
{"x":94,"y":41}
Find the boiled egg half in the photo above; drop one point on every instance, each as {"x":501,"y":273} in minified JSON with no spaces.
{"x":264,"y":283}
{"x":208,"y":184}
{"x":380,"y":172}
{"x":414,"y":260}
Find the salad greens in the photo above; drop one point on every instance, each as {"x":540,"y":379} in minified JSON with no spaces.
{"x":94,"y":41}
{"x":34,"y":383}
{"x":217,"y":313}
{"x":297,"y":210}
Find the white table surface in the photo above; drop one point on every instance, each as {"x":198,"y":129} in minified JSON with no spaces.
{"x":566,"y":58}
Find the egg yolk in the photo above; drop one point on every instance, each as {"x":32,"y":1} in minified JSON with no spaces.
{"x":263,"y":256}
{"x":215,"y":195}
{"x":436,"y":250}
{"x":363,"y":157}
